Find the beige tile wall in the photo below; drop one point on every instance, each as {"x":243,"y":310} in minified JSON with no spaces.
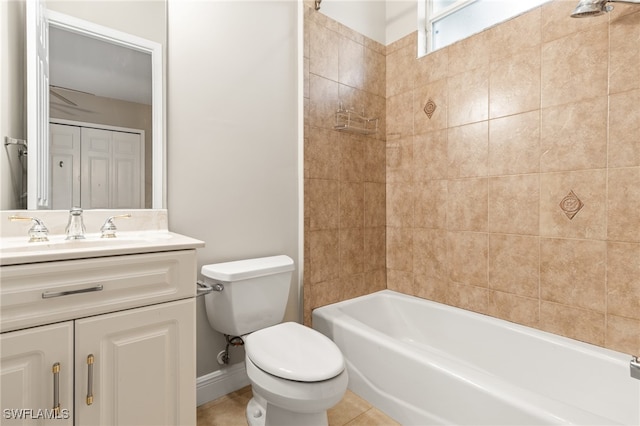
{"x":344,"y":173}
{"x":526,"y":113}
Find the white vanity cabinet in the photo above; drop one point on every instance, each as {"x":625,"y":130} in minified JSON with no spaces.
{"x":37,"y":374}
{"x":142,"y":369}
{"x":111,"y":339}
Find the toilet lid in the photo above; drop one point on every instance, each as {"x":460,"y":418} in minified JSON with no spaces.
{"x":294,"y":352}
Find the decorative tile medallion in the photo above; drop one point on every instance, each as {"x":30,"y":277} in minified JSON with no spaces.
{"x":430,"y":108}
{"x":571,"y":204}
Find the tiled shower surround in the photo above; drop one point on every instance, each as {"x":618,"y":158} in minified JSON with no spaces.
{"x":519,"y":197}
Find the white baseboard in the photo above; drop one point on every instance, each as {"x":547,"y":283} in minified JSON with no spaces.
{"x":219,"y":383}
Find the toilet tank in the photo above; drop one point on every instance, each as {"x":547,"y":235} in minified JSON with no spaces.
{"x":254,"y":295}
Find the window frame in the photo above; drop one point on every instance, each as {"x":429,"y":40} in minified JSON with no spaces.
{"x":427,"y":18}
{"x":432,"y":17}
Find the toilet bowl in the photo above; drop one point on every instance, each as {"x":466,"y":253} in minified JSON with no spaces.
{"x":296,"y":374}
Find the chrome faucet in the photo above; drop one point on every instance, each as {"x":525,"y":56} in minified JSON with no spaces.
{"x":38,"y":232}
{"x":75,"y":227}
{"x":108,"y":229}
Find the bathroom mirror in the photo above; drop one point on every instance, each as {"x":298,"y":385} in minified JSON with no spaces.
{"x":116,"y":88}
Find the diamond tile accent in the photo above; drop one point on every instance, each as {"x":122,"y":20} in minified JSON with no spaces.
{"x":571,"y":204}
{"x":430,"y":108}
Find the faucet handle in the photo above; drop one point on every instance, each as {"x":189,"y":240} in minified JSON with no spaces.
{"x":38,"y":232}
{"x":109,"y":227}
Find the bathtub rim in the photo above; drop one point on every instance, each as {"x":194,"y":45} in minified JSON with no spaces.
{"x":584,"y":347}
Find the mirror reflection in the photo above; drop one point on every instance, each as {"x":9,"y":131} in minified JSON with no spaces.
{"x":106,"y":86}
{"x":100,"y":123}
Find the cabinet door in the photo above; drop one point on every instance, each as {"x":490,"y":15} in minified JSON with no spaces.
{"x":137,"y":367}
{"x":36,"y":365}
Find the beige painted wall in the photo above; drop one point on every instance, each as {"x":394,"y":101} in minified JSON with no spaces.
{"x":146,"y":19}
{"x":380,"y":21}
{"x":233,"y":141}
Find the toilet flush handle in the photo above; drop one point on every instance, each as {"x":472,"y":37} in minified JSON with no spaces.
{"x":204,"y":288}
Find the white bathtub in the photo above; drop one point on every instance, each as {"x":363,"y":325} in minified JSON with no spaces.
{"x":423,"y":363}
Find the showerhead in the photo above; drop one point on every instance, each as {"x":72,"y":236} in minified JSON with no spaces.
{"x":588,"y":8}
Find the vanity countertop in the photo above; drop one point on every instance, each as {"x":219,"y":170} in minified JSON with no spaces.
{"x":146,"y":233}
{"x":15,"y":251}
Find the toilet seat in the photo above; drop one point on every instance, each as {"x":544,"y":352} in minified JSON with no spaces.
{"x":294,"y":352}
{"x":298,"y":397}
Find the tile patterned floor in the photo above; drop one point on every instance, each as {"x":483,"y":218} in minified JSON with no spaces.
{"x":351,"y":411}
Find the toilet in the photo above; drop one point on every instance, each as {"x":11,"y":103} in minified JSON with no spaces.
{"x":296,"y":373}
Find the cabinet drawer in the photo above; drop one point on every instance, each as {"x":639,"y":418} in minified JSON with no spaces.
{"x":41,"y":293}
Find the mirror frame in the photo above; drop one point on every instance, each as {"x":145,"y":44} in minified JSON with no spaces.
{"x":36,"y":184}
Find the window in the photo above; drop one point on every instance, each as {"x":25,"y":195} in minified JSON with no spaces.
{"x":443,"y":22}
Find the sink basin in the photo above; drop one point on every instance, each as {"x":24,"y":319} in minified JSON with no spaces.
{"x":16,"y":250}
{"x":58,"y":242}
